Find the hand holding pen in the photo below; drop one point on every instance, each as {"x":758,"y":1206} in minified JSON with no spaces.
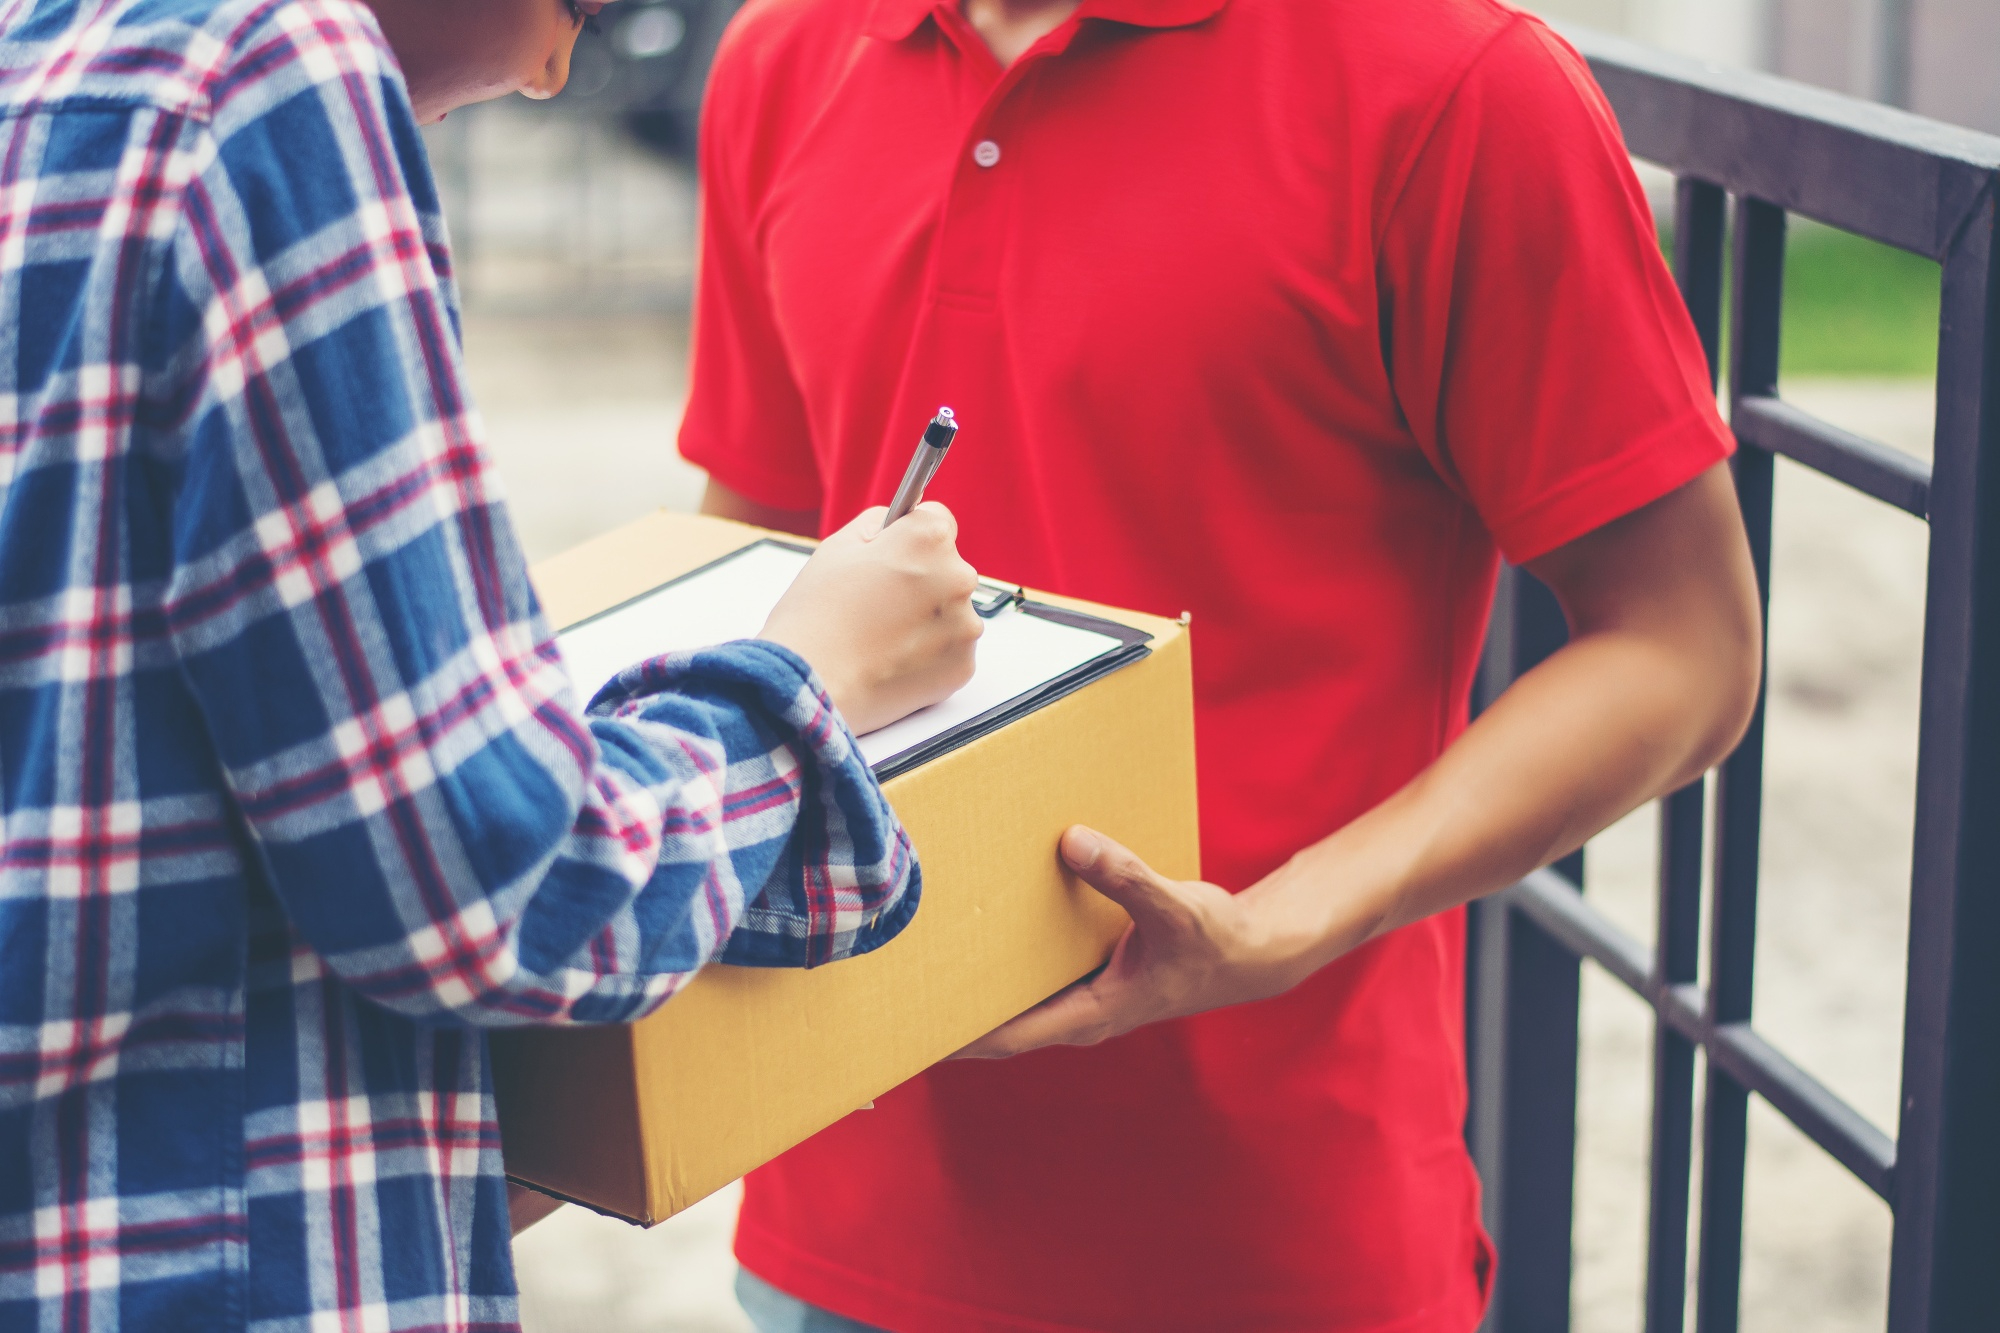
{"x":884,"y":615}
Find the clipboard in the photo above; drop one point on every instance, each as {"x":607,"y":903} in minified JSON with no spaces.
{"x":729,"y":598}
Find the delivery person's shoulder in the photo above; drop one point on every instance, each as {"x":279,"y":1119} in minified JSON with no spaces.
{"x":778,"y":63}
{"x":1388,"y":76}
{"x":783,"y":48}
{"x":1414,"y":51}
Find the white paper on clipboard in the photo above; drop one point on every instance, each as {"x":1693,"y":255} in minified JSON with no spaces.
{"x":1020,"y":654}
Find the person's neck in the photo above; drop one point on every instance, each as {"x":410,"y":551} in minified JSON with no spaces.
{"x":1010,"y":27}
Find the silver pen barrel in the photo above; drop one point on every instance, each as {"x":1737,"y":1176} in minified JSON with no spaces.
{"x":924,"y":464}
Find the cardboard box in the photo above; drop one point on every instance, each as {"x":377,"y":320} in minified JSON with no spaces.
{"x":643,"y":1120}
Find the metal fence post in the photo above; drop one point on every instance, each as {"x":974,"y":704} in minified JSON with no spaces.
{"x":1700,"y":237}
{"x":1760,"y":270}
{"x":1524,"y":1128}
{"x":1947,"y":1187}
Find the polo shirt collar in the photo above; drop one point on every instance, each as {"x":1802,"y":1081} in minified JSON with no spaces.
{"x":893,"y":20}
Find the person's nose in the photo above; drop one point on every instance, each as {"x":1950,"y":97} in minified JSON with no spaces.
{"x":549,"y":80}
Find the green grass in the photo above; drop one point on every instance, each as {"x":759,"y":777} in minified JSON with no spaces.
{"x":1853,"y":307}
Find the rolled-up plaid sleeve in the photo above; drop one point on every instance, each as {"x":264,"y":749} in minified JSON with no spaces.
{"x":440,"y":820}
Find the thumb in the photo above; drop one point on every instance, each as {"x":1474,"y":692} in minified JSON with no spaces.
{"x":867,"y":525}
{"x":1114,"y":871}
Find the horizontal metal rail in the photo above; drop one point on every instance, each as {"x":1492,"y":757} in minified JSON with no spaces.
{"x":1873,"y":170}
{"x":1890,"y":475}
{"x":1553,"y":904}
{"x":1825,"y":1118}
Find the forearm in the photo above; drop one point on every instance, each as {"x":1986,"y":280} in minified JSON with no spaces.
{"x":1611,"y":721}
{"x":789,"y":831}
{"x":1605,"y":724}
{"x":1656,"y":684}
{"x":582,"y":869}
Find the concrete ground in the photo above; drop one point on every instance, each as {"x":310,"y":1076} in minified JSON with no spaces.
{"x":576,"y":343}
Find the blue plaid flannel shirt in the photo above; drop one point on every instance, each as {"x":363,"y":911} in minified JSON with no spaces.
{"x":296,"y":794}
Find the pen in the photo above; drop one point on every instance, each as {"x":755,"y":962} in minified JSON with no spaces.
{"x":924,"y":464}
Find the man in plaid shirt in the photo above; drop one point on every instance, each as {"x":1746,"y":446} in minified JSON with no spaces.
{"x":296,"y":793}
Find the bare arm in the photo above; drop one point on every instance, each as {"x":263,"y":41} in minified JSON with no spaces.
{"x":722,"y":502}
{"x":1655,"y":686}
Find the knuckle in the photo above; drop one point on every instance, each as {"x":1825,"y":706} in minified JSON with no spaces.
{"x":1126,"y":867}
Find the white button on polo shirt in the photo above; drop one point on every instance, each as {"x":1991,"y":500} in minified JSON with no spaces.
{"x":986,"y":152}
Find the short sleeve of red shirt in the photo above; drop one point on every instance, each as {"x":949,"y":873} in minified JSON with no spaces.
{"x":745,"y":420}
{"x":1536,"y":342}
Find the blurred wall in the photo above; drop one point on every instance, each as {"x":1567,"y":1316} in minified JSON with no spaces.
{"x":1938,"y":57}
{"x":1846,"y":45}
{"x":1730,"y":32}
{"x":1955,"y":61}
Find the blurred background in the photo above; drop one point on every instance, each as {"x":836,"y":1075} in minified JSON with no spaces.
{"x":574,"y":225}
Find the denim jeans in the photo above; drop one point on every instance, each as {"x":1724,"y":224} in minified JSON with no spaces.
{"x":772,"y":1311}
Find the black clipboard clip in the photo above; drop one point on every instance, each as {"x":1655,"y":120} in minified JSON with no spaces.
{"x":990,"y":598}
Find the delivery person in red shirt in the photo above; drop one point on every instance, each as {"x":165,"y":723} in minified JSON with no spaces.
{"x":1300,"y":315}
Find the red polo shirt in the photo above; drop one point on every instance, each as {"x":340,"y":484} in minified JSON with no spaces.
{"x":1292,"y":313}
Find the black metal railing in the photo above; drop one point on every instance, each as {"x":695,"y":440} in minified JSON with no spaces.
{"x":1776,"y":148}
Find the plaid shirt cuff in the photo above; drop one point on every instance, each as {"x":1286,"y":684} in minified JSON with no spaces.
{"x":848,"y":880}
